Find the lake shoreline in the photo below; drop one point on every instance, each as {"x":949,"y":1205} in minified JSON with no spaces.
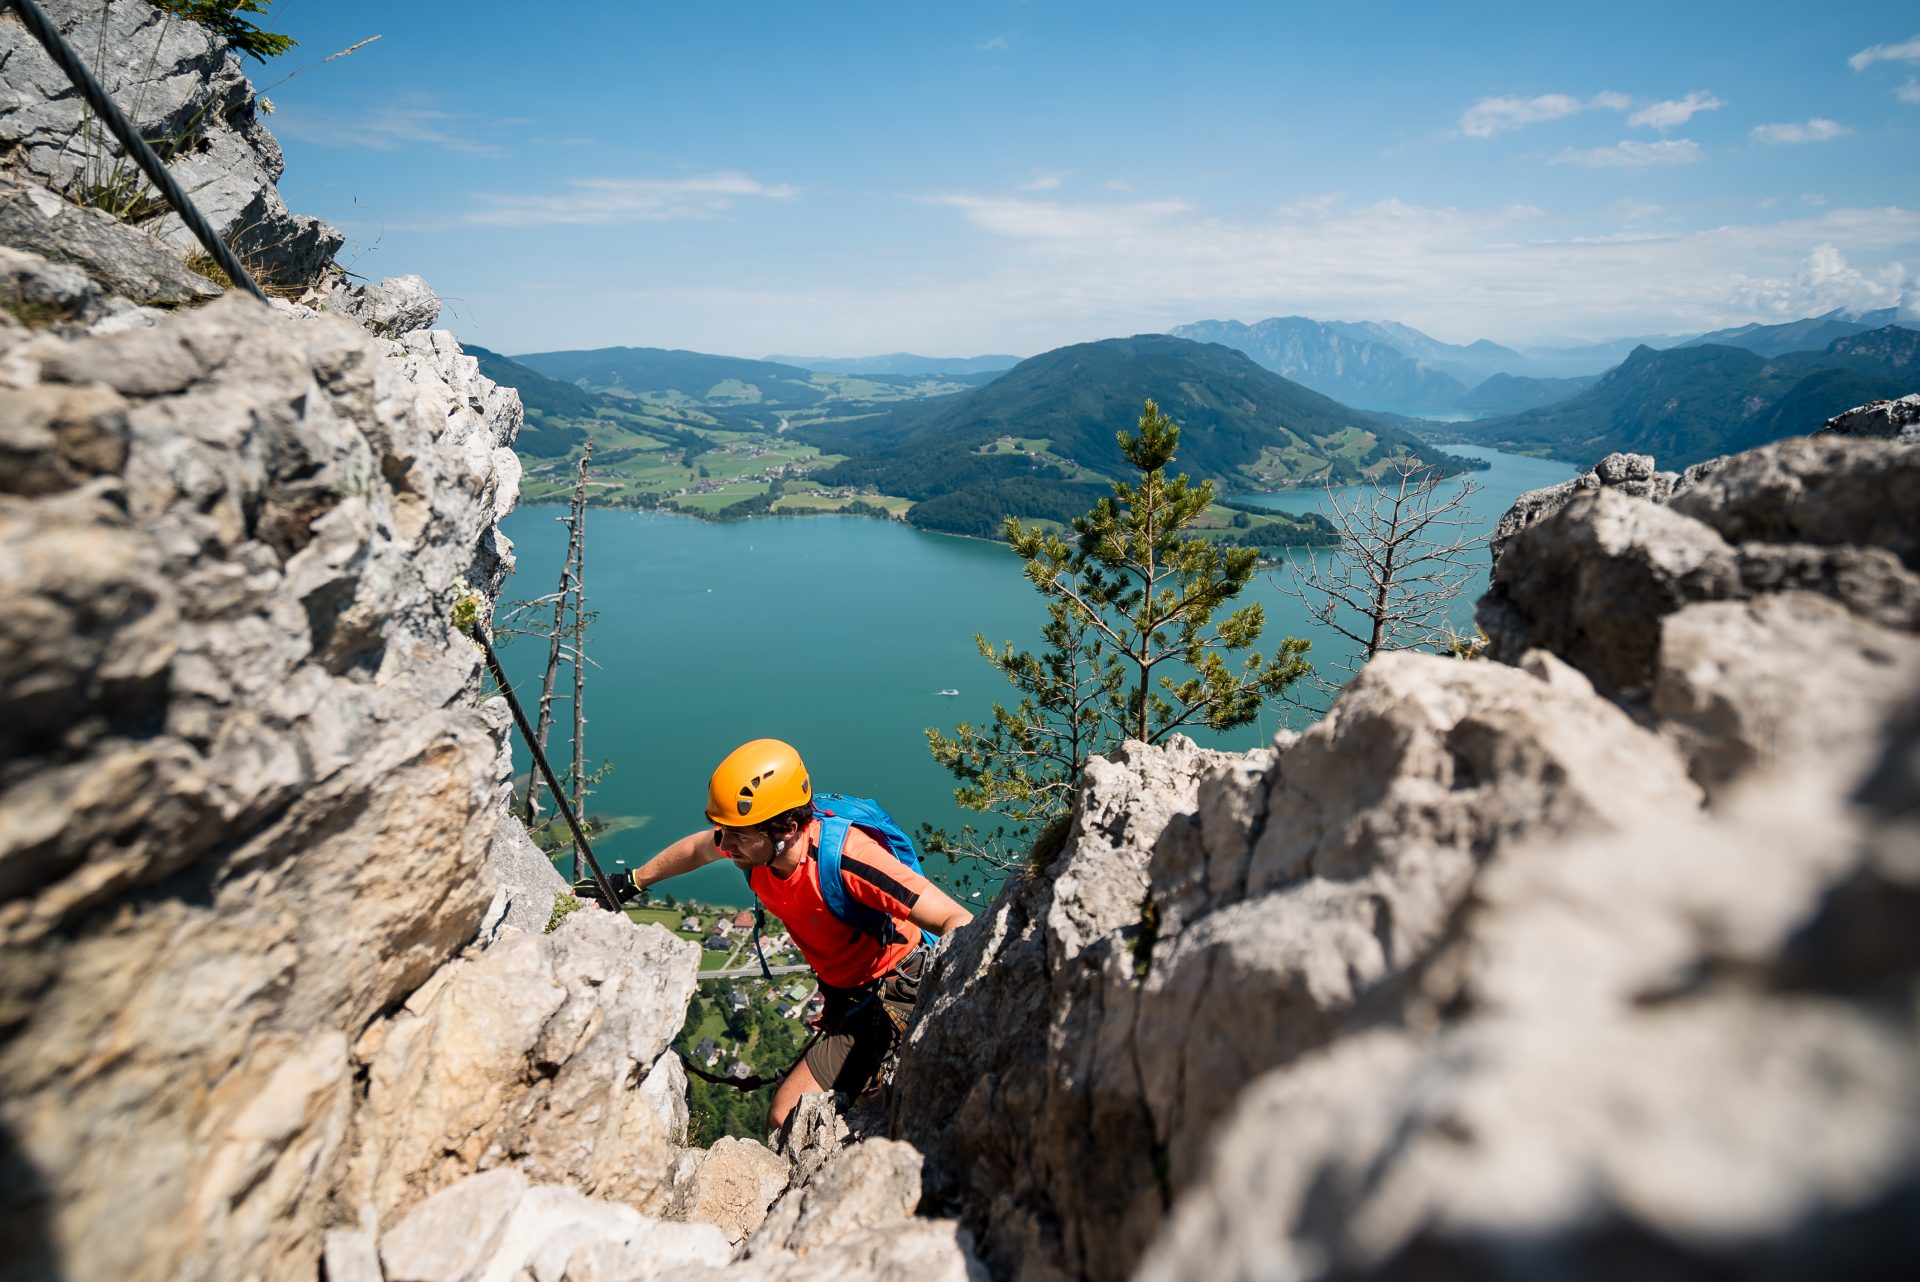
{"x":688,"y":667}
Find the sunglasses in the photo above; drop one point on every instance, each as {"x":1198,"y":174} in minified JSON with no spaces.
{"x":720,"y":834}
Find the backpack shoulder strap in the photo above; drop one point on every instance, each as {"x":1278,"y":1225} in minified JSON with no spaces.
{"x":833,"y":884}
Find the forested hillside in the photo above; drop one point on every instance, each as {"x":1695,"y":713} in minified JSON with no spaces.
{"x":1054,"y":419}
{"x":1692,"y":403}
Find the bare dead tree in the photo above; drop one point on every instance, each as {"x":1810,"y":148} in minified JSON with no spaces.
{"x":579,"y":779}
{"x":1404,"y":555}
{"x":562,"y":596}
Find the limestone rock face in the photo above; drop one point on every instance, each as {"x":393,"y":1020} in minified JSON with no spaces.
{"x":532,"y":1054}
{"x":1631,"y":474}
{"x":1660,"y":1050}
{"x":397,"y":305}
{"x":871,"y":1184}
{"x":1594,"y":581}
{"x":732,"y":1188}
{"x":124,"y":261}
{"x":178,"y":85}
{"x":1602,"y":953}
{"x":496,"y":1227}
{"x":527,"y":883}
{"x":247,"y":794}
{"x":1897,"y":420}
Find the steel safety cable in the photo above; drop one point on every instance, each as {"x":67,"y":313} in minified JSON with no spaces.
{"x":143,"y":154}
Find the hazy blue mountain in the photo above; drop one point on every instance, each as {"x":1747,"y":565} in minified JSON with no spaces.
{"x":1050,"y":423}
{"x":1811,"y":334}
{"x":1692,"y":403}
{"x":1363,"y":373}
{"x":1512,"y":393}
{"x":1571,"y":358}
{"x":900,"y":363}
{"x":1470,"y":363}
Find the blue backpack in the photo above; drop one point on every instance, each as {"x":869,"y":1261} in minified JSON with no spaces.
{"x":839,"y":814}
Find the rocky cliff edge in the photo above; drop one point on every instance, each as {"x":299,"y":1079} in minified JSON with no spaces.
{"x":276,"y":999}
{"x":1597,"y":958}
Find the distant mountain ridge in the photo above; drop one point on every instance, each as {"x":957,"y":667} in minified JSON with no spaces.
{"x":1470,"y":363}
{"x":900,"y":363}
{"x":1335,"y":361}
{"x":1346,"y":360}
{"x":1691,"y":403}
{"x":1511,"y":393}
{"x":1812,"y":333}
{"x":694,"y":375}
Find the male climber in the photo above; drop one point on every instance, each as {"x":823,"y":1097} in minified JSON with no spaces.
{"x":761,"y":800}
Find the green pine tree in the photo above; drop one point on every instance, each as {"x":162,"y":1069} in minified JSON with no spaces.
{"x":1131,"y":650}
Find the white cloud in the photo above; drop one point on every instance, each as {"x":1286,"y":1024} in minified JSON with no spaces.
{"x":1823,"y":282}
{"x":1050,"y":220}
{"x":602,"y":201}
{"x":1632,"y":155}
{"x":1906,"y":51}
{"x":993,"y":44}
{"x":1607,"y":100}
{"x":1675,"y":112}
{"x":394,"y":127}
{"x":1490,"y":116}
{"x":1908,"y":92}
{"x":1044,"y":180}
{"x":1815,"y":130}
{"x":1630,"y":210}
{"x":1814,"y":198}
{"x":1065,"y":271}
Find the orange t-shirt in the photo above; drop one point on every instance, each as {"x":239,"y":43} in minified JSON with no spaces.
{"x":839,"y":954}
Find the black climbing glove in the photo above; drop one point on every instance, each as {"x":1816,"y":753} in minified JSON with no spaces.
{"x":623,"y":889}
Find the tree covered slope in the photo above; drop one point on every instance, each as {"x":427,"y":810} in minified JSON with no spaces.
{"x":1687,"y":404}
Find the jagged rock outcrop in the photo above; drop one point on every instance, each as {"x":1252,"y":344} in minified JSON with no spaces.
{"x":276,"y":994}
{"x":530,"y":1054}
{"x":1897,"y":420}
{"x":1594,"y":580}
{"x":1501,"y":968}
{"x":495,"y":1227}
{"x":176,"y":84}
{"x":247,"y":794}
{"x":1631,"y":474}
{"x":108,"y":266}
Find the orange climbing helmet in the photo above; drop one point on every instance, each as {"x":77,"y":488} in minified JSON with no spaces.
{"x":756,"y":782}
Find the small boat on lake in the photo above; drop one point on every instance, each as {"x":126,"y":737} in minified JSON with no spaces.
{"x":949,"y":694}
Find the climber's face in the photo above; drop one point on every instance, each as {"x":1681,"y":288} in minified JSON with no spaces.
{"x":751,"y":847}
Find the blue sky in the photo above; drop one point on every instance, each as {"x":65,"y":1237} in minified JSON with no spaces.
{"x":952,"y":179}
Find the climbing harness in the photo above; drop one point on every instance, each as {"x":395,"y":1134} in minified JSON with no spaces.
{"x":896,"y":1011}
{"x":150,"y":163}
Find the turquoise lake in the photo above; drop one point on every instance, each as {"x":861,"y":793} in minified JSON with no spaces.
{"x":836,"y":634}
